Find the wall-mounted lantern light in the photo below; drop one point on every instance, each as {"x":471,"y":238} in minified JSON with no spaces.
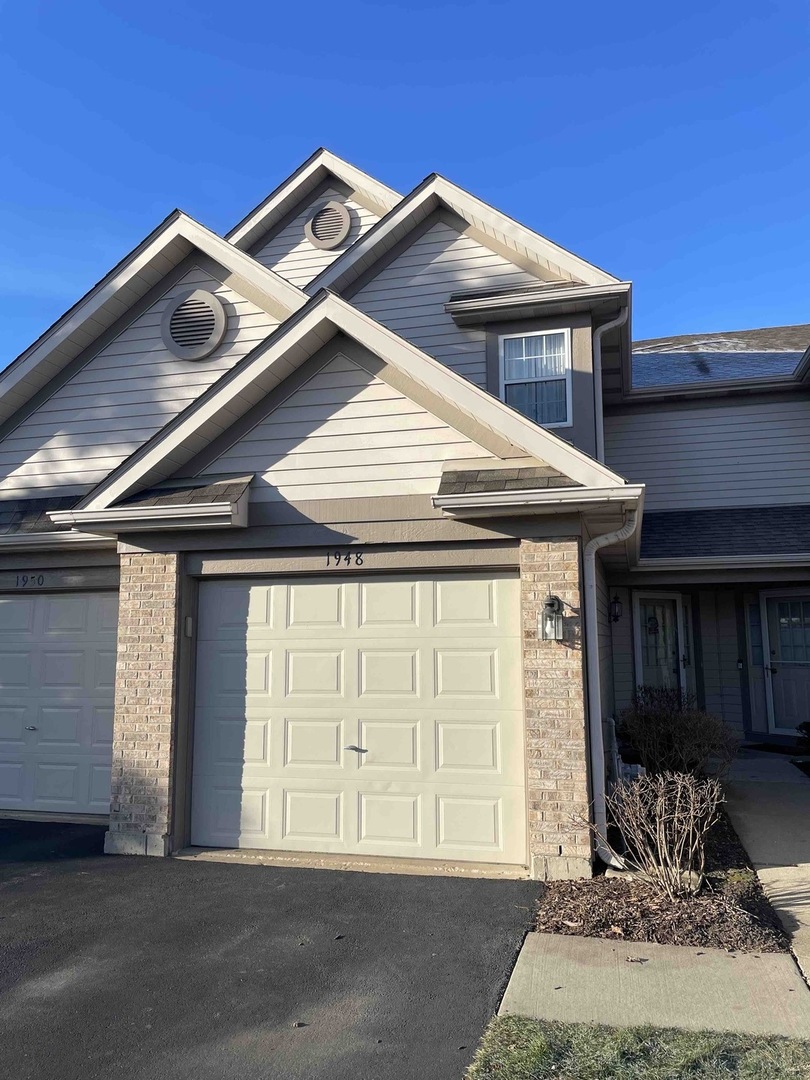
{"x":615,"y":608}
{"x":551,"y":620}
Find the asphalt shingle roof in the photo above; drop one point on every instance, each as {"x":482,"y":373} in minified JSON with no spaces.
{"x":760,"y":530}
{"x":222,"y":491}
{"x":736,"y":354}
{"x":475,"y":481}
{"x":30,"y":515}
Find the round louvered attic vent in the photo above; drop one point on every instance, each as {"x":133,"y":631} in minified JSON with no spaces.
{"x":329,"y":225}
{"x":194,"y":324}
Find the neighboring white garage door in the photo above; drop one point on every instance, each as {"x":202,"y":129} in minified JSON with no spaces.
{"x":422,"y":675}
{"x":57,"y":672}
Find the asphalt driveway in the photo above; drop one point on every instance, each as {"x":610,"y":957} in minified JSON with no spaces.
{"x":140,"y":968}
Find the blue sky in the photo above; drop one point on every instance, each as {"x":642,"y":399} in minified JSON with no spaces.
{"x":666,"y":143}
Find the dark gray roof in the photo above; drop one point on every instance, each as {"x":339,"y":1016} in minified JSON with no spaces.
{"x":221,"y":491}
{"x":30,"y":515}
{"x":473,"y":481}
{"x":734,"y":354}
{"x":760,"y":530}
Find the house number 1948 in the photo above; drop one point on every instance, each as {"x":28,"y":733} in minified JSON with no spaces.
{"x":334,"y":559}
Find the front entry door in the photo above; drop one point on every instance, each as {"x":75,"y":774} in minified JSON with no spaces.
{"x":660,"y":649}
{"x":786,"y":655}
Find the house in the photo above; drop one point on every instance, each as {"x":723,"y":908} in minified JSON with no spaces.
{"x":352,"y":530}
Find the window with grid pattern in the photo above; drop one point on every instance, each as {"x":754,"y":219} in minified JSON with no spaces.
{"x":536,"y":376}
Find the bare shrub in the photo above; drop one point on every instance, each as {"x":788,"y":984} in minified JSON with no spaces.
{"x":663,"y":820}
{"x":671,"y":734}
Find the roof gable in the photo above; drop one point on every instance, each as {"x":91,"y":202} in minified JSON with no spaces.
{"x":164,"y":249}
{"x":322,"y":167}
{"x":527,"y":249}
{"x":121,"y":392}
{"x":271,"y":363}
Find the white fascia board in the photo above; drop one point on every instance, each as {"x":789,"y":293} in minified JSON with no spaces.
{"x":140,"y":518}
{"x":724,"y":562}
{"x":537,"y":501}
{"x":27,"y":541}
{"x":322,"y":160}
{"x":178,"y":226}
{"x":332,"y":313}
{"x":361,"y":254}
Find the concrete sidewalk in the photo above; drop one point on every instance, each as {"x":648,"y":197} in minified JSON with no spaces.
{"x":769,"y":806}
{"x":593,"y":980}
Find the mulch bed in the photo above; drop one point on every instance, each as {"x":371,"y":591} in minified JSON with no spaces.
{"x":731,"y":912}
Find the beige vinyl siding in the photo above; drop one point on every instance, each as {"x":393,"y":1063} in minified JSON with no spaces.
{"x":749,"y":453}
{"x":721,"y":651}
{"x":126,"y":393}
{"x":292,"y":256}
{"x":345,"y":434}
{"x":409,"y":295}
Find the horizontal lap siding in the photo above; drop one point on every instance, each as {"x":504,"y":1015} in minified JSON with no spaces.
{"x":345,"y":434}
{"x":409,"y":295}
{"x":621,"y":632}
{"x":292,"y":256}
{"x":126,"y":393}
{"x":739,"y":454}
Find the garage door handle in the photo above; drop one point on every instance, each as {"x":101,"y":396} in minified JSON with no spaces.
{"x":30,"y":727}
{"x":357,"y":749}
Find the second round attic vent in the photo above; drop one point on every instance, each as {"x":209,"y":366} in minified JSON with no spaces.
{"x":194,"y":325}
{"x":329,"y":225}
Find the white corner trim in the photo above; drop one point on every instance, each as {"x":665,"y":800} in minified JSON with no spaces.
{"x":538,"y":500}
{"x":188,"y":516}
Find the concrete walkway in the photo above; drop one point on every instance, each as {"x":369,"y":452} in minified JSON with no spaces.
{"x":592,"y":980}
{"x":769,"y":806}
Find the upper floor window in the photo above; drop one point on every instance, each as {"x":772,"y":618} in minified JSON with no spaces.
{"x":536,"y":375}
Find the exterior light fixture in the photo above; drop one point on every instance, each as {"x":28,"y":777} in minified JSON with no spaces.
{"x":615,"y":608}
{"x":551,"y":620}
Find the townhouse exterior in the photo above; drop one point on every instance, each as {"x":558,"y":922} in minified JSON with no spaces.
{"x":353,"y":530}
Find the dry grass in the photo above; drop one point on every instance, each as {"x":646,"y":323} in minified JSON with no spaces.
{"x":514,"y":1048}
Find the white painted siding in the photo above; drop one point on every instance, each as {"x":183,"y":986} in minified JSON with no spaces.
{"x":345,"y":434}
{"x":409,"y":295}
{"x":737,"y":454}
{"x":126,"y":393}
{"x":292,"y":256}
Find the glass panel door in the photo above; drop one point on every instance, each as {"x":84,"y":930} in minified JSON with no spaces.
{"x":659,"y":660}
{"x":787,"y":664}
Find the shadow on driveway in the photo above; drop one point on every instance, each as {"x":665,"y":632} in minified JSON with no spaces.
{"x":153,"y":968}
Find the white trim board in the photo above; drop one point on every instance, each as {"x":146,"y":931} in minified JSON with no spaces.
{"x":433,"y":193}
{"x":273,"y":360}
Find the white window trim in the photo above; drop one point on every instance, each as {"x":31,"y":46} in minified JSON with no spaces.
{"x":566,"y":332}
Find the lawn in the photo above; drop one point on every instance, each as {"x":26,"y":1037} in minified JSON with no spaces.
{"x":514,"y":1048}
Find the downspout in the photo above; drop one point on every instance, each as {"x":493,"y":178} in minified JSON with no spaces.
{"x":597,"y":742}
{"x":598,"y":407}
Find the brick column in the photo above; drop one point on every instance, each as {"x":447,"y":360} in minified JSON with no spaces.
{"x":556,"y":732}
{"x":143,"y":726}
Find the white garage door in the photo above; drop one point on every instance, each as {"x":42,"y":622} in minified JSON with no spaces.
{"x":375,"y":717}
{"x":57,"y":672}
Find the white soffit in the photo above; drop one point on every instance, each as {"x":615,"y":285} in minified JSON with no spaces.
{"x":272,"y":361}
{"x":529,"y":247}
{"x":177,"y":237}
{"x":305,"y":180}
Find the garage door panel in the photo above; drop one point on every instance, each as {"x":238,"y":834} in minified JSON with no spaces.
{"x":57,"y":702}
{"x":422,"y":676}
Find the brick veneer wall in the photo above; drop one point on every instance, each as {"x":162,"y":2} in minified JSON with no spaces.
{"x":556,"y":734}
{"x":143,"y":726}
